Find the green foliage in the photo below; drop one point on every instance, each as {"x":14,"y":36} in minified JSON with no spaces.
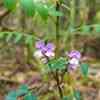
{"x":9,"y":37}
{"x":2,"y":35}
{"x":84,"y":69}
{"x":69,"y":97}
{"x":17,"y":37}
{"x":77,"y":95}
{"x":42,"y":11}
{"x":88,"y":28}
{"x":57,"y":64}
{"x":71,"y":29}
{"x":53,"y":12}
{"x":66,"y":98}
{"x":85,"y":28}
{"x":22,"y":91}
{"x":28,"y":7}
{"x":11,"y":96}
{"x":10,"y":4}
{"x":29,"y":40}
{"x":30,"y":96}
{"x":97,"y":28}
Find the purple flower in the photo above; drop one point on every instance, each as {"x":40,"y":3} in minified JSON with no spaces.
{"x":39,"y":44}
{"x":74,"y":58}
{"x":73,"y":64}
{"x":74,"y":54}
{"x":50,"y":47}
{"x":45,"y":49}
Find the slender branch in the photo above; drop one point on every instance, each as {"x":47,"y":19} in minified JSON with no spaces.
{"x":57,"y":30}
{"x":65,"y":6}
{"x":58,"y":85}
{"x":57,"y":47}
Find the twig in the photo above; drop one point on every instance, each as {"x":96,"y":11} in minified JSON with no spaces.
{"x":65,"y":6}
{"x":58,"y":85}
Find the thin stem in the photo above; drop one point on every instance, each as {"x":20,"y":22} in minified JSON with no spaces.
{"x":56,"y":77}
{"x":47,"y":58}
{"x":72,"y":22}
{"x":58,"y":85}
{"x":57,"y":30}
{"x":57,"y":47}
{"x":30,"y":53}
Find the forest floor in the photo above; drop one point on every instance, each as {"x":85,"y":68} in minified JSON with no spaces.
{"x":91,"y":91}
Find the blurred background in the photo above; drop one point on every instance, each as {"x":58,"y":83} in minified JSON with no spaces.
{"x":79,"y":29}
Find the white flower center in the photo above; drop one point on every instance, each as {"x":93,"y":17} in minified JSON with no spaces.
{"x":74,"y":61}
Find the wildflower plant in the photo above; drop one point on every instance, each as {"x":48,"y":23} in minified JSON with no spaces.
{"x":58,"y":68}
{"x":61,"y":69}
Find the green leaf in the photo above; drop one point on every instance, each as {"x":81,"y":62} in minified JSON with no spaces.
{"x":97,"y":28}
{"x":71,"y":29}
{"x":23,"y":89}
{"x":2,"y":35}
{"x":65,"y":98}
{"x":57,"y":64}
{"x":77,"y":95}
{"x":69,"y":97}
{"x":30,"y":96}
{"x":28,"y":7}
{"x":61,"y":1}
{"x":29,"y":40}
{"x":18,"y":37}
{"x":11,"y":96}
{"x":60,"y":63}
{"x":84,"y":69}
{"x":85,"y":28}
{"x":10,"y":4}
{"x":9,"y":36}
{"x":54,"y":12}
{"x":42,"y":10}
